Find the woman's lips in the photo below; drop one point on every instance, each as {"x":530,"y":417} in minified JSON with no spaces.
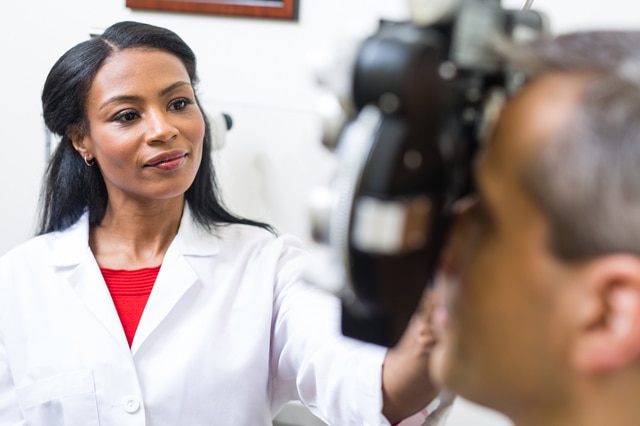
{"x":168,"y":161}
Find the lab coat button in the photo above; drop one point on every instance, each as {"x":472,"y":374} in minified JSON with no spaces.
{"x":131,"y":405}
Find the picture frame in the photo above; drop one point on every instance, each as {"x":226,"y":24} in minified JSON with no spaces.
{"x":274,"y":9}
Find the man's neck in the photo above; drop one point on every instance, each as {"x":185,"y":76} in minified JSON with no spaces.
{"x":607,"y":409}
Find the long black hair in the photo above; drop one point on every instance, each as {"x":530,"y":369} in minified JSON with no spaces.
{"x":70,"y":187}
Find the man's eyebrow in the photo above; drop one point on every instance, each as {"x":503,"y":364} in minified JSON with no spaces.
{"x":132,"y":98}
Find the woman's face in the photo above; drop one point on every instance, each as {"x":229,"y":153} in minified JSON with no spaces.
{"x":145,"y":129}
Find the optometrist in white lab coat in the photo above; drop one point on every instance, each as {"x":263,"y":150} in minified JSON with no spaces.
{"x":230,"y":331}
{"x":228,"y":334}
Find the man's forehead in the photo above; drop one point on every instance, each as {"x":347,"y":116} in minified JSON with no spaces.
{"x":534,"y":116}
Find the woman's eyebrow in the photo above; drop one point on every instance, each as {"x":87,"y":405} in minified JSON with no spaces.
{"x":134,"y":98}
{"x":119,"y":98}
{"x":173,"y":87}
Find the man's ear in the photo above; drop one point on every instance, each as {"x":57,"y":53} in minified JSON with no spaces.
{"x":608,"y":334}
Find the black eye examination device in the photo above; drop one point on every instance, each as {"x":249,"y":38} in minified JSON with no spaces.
{"x":404,"y":131}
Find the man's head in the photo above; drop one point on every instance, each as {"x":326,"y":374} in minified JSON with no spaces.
{"x":541,"y":292}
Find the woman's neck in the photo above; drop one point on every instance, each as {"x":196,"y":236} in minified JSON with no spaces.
{"x":135,"y":236}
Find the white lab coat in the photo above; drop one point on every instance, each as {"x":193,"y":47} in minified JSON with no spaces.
{"x":229,"y":333}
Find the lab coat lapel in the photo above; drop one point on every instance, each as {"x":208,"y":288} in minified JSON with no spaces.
{"x":175,"y":278}
{"x":74,"y":262}
{"x":89,"y":286}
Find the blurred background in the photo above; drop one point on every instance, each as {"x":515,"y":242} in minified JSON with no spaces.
{"x":259,"y":71}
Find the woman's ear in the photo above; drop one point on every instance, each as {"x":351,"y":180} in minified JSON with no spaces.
{"x":608,"y":334}
{"x":79,"y":141}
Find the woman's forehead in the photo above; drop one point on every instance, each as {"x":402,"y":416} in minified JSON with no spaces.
{"x":133,"y":69}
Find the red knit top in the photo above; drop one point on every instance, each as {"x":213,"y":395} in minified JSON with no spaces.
{"x":130,"y":290}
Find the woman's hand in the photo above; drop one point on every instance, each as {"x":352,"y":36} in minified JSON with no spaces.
{"x":406,"y":385}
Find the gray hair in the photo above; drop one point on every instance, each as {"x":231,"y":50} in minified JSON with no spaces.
{"x":587,"y":182}
{"x":614,"y":53}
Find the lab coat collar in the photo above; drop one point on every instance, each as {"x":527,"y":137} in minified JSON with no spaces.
{"x":71,"y":244}
{"x":191,"y":240}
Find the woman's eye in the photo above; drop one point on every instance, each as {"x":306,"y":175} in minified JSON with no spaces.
{"x":180,"y":104}
{"x":126,"y":116}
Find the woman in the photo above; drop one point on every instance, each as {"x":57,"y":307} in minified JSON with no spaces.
{"x":143,"y":301}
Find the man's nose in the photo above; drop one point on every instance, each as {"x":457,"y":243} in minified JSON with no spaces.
{"x":457,"y":240}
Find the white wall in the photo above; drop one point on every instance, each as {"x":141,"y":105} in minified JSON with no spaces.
{"x":253,"y":69}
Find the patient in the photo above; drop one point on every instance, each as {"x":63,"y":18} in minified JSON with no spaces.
{"x":538,"y":312}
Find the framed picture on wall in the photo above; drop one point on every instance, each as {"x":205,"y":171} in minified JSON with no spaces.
{"x":277,"y":9}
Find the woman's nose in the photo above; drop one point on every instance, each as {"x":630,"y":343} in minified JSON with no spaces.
{"x":159,"y":127}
